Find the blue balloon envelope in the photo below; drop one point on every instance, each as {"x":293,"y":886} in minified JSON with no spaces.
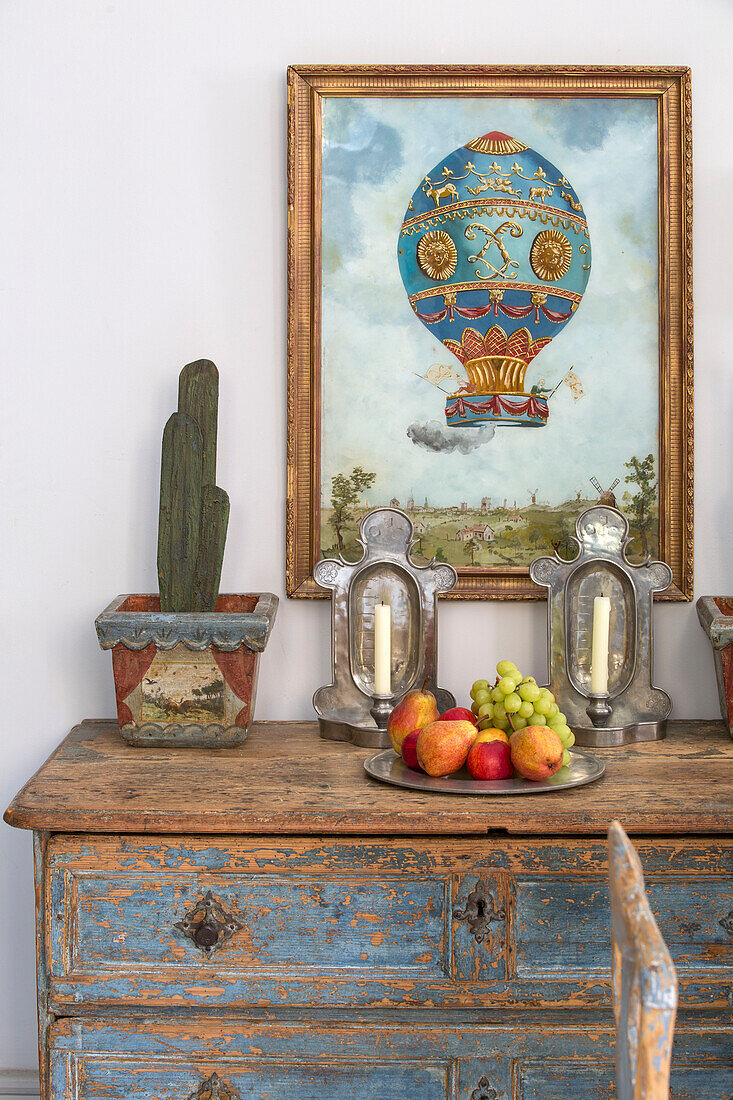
{"x":494,"y":253}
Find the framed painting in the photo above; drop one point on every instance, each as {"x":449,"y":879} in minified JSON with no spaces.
{"x":490,"y":313}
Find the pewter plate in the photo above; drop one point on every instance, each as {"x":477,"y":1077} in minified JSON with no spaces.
{"x":390,"y":768}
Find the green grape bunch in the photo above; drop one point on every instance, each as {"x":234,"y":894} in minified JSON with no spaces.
{"x":514,"y":701}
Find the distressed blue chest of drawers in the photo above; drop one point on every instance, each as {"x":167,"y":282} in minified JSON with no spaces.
{"x":266,"y":922}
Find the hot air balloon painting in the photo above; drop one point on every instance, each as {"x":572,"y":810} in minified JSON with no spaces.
{"x":494,"y":253}
{"x":440,"y":241}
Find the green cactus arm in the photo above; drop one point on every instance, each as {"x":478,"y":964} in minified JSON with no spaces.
{"x":212,"y":537}
{"x":198,"y":397}
{"x":181,"y":474}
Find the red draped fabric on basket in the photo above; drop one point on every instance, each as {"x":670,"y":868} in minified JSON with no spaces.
{"x":129,"y":666}
{"x":496,"y":404}
{"x":481,"y":311}
{"x":238,"y":668}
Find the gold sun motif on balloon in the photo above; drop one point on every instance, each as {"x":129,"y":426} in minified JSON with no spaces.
{"x":437,"y":255}
{"x":550,"y":255}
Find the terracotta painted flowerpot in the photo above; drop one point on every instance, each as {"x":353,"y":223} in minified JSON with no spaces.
{"x":186,"y":678}
{"x":716,"y":618}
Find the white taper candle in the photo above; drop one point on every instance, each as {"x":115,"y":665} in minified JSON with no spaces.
{"x":382,"y":649}
{"x":599,"y":646}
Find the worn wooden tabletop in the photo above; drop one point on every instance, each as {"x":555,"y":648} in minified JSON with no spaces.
{"x":285,"y":780}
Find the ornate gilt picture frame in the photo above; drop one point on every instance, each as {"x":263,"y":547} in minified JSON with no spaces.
{"x":433,"y":245}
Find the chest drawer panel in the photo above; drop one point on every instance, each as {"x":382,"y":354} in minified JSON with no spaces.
{"x":438,"y":923}
{"x":396,"y":923}
{"x":595,"y":1082}
{"x":224,"y":1059}
{"x":112,"y":1078}
{"x":563,"y":924}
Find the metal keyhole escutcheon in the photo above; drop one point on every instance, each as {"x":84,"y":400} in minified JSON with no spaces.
{"x":213,"y":1088}
{"x":480,"y":911}
{"x":208,"y":925}
{"x":484,"y":1091}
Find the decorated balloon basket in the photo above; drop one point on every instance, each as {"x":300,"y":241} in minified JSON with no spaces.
{"x":186,"y":678}
{"x":494,"y":253}
{"x":504,"y":408}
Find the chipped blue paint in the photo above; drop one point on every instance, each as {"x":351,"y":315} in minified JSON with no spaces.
{"x":563,"y":924}
{"x":659,"y":857}
{"x":98,"y":1079}
{"x":99,"y":1059}
{"x":113,"y":901}
{"x":341,"y":928}
{"x":128,"y":921}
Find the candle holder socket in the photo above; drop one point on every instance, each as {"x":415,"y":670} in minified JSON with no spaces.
{"x":381,"y":708}
{"x":599,"y":709}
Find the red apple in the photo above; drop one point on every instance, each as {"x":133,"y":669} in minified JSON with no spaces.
{"x":409,"y":750}
{"x":459,"y":714}
{"x":490,"y":760}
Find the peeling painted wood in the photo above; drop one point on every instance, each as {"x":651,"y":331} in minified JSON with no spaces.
{"x":160,"y":1057}
{"x":40,"y":873}
{"x":363,"y":964}
{"x":335,"y":923}
{"x":563,"y":924}
{"x":644,"y":980}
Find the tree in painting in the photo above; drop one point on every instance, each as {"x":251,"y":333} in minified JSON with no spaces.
{"x":642,"y":502}
{"x":472,"y":548}
{"x":345,"y":493}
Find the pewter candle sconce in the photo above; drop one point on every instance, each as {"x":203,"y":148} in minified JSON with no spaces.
{"x":349,"y":709}
{"x":631,"y":709}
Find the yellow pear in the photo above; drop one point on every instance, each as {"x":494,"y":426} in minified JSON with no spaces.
{"x":417,"y":710}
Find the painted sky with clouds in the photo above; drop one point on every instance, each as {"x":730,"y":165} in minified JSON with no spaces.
{"x":375,"y":153}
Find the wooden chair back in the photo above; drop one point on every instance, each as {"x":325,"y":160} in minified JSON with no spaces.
{"x":644,"y":980}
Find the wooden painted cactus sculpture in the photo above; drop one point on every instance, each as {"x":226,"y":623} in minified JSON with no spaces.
{"x":194,"y":511}
{"x":185,"y":663}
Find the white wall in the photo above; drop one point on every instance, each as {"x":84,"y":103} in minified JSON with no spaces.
{"x":142,"y":225}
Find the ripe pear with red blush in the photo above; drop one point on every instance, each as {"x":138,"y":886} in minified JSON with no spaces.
{"x":459,"y":714}
{"x":416,"y":711}
{"x":442,"y":747}
{"x":537,"y":752}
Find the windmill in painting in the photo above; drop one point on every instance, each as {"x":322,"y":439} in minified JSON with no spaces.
{"x":605,"y":496}
{"x":494,"y":253}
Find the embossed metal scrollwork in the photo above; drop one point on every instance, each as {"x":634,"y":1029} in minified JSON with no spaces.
{"x":208,"y":925}
{"x":480,"y":911}
{"x":484,"y":1091}
{"x":726,"y":922}
{"x":213,"y":1088}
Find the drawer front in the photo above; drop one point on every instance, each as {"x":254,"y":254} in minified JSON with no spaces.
{"x":395,"y":923}
{"x":594,"y":1082}
{"x":111,"y":1077}
{"x":229,"y":922}
{"x":562,"y":925}
{"x":202,"y":1059}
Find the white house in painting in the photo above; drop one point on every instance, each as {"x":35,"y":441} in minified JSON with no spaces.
{"x":480,"y":531}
